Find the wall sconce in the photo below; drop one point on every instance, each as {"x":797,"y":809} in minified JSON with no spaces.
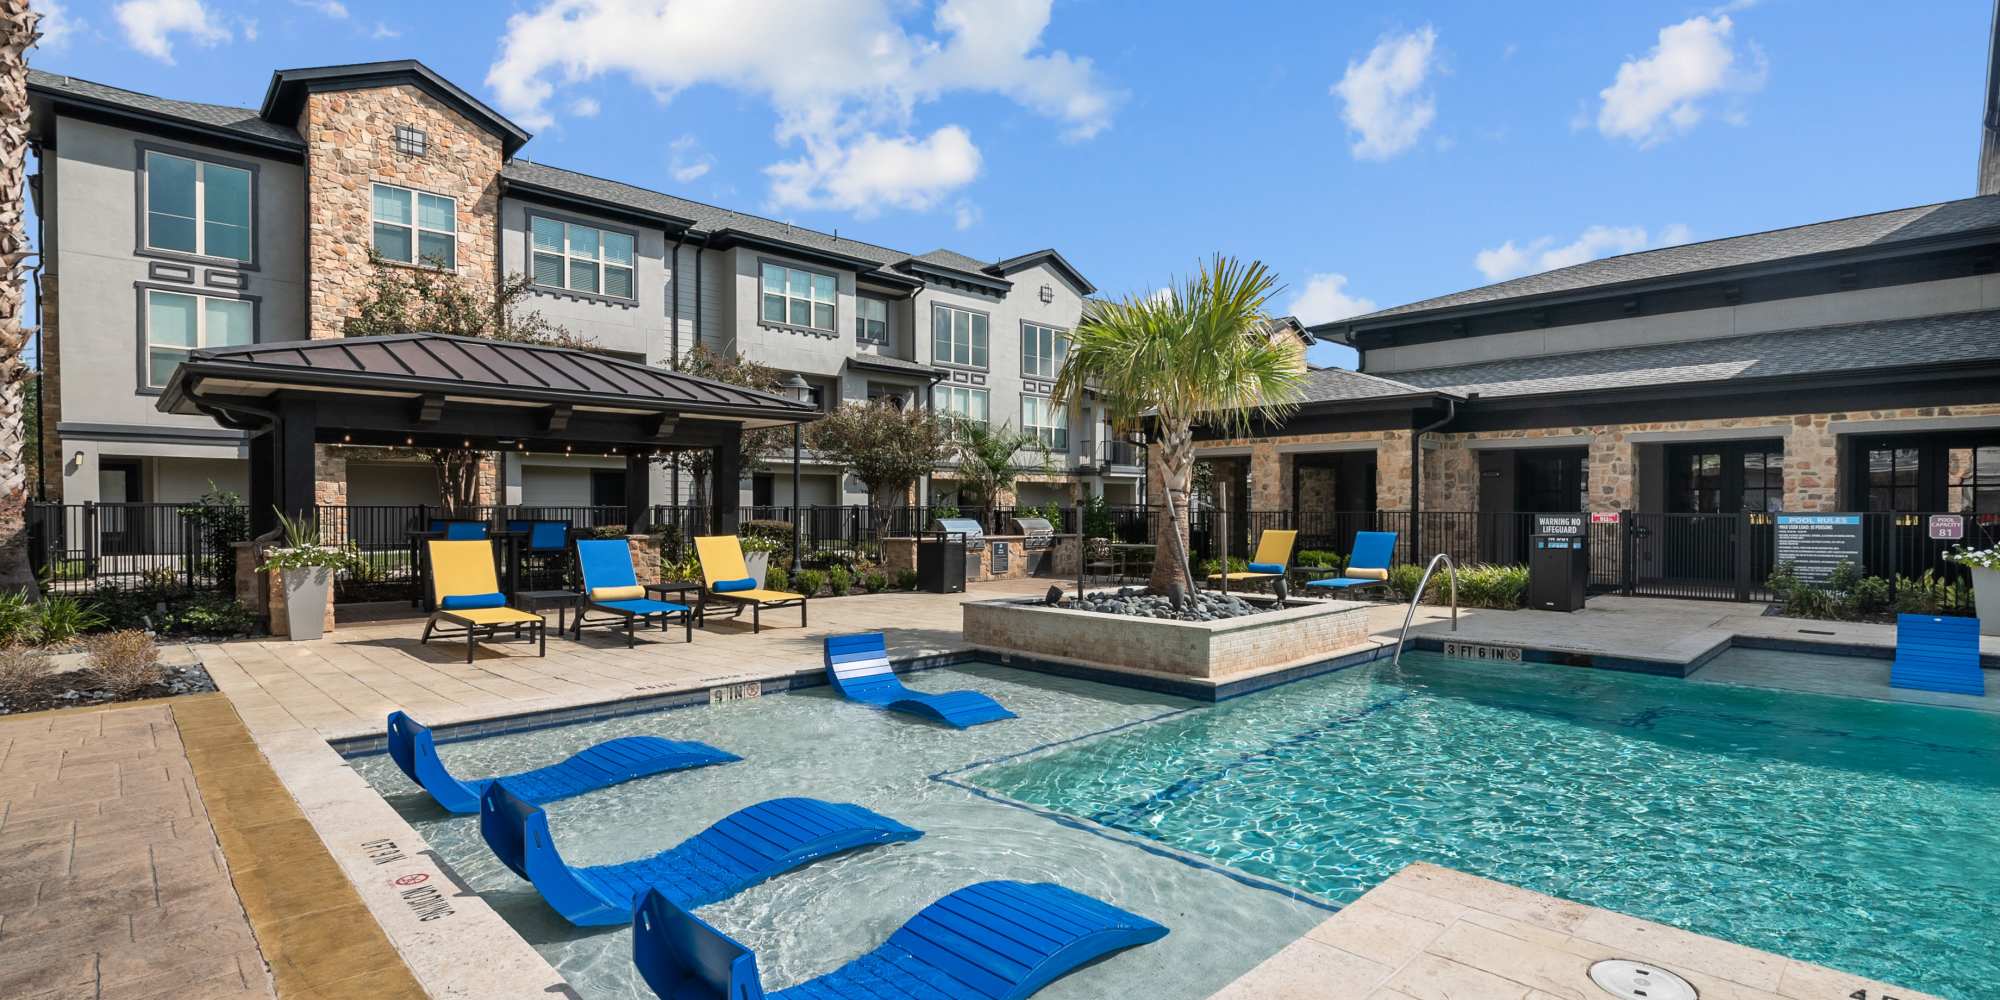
{"x":1048,"y":294}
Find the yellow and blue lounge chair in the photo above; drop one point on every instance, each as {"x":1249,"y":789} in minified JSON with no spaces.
{"x":999,"y":940}
{"x":1368,"y":566}
{"x":726,"y":578}
{"x":1274,"y":555}
{"x":611,"y":587}
{"x":469,"y":601}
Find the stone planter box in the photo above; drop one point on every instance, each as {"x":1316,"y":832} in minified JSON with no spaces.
{"x":1204,"y":651}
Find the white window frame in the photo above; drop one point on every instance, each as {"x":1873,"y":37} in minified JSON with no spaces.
{"x":1033,"y":336}
{"x":1055,"y":436}
{"x":201,"y":168}
{"x":811,"y":300}
{"x":415,"y":226}
{"x":146,"y":344}
{"x":944,"y":397}
{"x":862,"y":304}
{"x":567,"y":255}
{"x":978,"y":356}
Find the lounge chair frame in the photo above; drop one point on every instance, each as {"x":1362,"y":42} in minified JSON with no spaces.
{"x":443,"y":624}
{"x":711,"y":574}
{"x":626,"y":616}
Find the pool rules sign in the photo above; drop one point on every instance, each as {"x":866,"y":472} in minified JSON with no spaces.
{"x":1816,"y":544}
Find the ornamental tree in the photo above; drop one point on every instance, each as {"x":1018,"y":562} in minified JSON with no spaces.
{"x":886,"y":447}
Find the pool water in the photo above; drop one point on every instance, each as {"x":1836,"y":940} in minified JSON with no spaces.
{"x":1857,"y":834}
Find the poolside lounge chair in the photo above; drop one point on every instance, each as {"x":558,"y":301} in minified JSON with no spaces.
{"x":746,"y":847}
{"x":991,"y":941}
{"x":1937,"y":653}
{"x":1368,"y":566}
{"x":858,"y":666}
{"x":609,"y":763}
{"x":1274,"y":555}
{"x":726,"y":579}
{"x":612,"y":588}
{"x":468,"y":597}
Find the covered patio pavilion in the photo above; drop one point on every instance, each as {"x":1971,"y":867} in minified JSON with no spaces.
{"x":425,"y":391}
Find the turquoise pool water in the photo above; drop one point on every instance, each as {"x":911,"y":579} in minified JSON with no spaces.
{"x":1857,"y":834}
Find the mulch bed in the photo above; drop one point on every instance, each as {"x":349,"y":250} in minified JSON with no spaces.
{"x":72,"y":688}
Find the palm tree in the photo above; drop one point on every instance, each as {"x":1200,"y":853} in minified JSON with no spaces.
{"x":19,"y":30}
{"x":989,"y":458}
{"x":1198,"y":352}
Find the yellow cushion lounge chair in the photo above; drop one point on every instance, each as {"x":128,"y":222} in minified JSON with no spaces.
{"x":726,"y":579}
{"x":1274,"y":554}
{"x":467,"y":593}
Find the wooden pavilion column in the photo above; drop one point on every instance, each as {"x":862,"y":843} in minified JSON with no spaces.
{"x":725,"y":483}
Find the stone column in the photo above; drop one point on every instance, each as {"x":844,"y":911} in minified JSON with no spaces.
{"x":1812,"y":463}
{"x":1267,"y":480}
{"x":1392,"y":471}
{"x":1611,"y":467}
{"x":330,"y":476}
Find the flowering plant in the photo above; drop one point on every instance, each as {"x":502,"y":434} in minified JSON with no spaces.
{"x":303,"y":548}
{"x":1987,"y":558}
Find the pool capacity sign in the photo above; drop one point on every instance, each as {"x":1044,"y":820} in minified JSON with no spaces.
{"x":1816,"y":544}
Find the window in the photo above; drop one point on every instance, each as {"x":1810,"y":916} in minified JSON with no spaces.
{"x":412,"y":227}
{"x":1726,"y":478}
{"x":1892,"y":479}
{"x":1042,"y":350}
{"x":958,"y":337}
{"x":1041,"y":417}
{"x":894,"y":395}
{"x":798,"y":298}
{"x":871,"y":321}
{"x":177,"y":324}
{"x":959,"y":401}
{"x":411,"y":141}
{"x":1763,"y":480}
{"x":197,"y":207}
{"x":582,"y":258}
{"x":1972,"y":480}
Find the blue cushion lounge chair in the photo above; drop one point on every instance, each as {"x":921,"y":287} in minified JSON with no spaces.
{"x":858,"y":666}
{"x":611,"y":588}
{"x":609,"y":763}
{"x":738,"y":851}
{"x":1368,"y":566}
{"x":988,"y":941}
{"x":1935,"y":653}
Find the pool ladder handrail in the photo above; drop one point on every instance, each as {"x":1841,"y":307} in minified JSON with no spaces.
{"x":1452,"y":572}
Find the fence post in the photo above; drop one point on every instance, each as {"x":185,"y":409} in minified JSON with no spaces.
{"x":1742,"y":539}
{"x":90,"y":546}
{"x":1630,"y":555}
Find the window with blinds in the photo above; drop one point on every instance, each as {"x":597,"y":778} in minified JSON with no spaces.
{"x":582,"y":258}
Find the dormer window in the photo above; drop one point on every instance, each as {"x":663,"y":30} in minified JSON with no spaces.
{"x":412,"y":141}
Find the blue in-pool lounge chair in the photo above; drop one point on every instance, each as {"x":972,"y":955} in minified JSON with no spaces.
{"x":609,"y":763}
{"x":858,"y":666}
{"x":612,"y":589}
{"x":1937,"y":653}
{"x":988,"y":941}
{"x":1368,"y":566}
{"x":738,"y":851}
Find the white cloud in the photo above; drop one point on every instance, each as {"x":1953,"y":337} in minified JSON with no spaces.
{"x":1384,"y":97}
{"x":585,"y":107}
{"x":686,"y":160}
{"x":382,"y":30}
{"x":58,"y":26}
{"x":873,"y":172}
{"x":150,"y":24}
{"x":331,"y":8}
{"x":1509,"y":260}
{"x":1325,"y":298}
{"x":1666,"y":93}
{"x":249,"y":29}
{"x":965,"y":215}
{"x":847,"y":98}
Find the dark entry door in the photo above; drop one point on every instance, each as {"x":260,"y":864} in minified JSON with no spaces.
{"x":1708,"y":486}
{"x":119,"y":526}
{"x":1546,"y":481}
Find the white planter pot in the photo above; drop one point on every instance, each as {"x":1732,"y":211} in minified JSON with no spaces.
{"x":759,"y":564}
{"x":1986,"y":599}
{"x":306,"y":593}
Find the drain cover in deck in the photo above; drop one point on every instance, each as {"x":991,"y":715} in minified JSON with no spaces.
{"x":1629,"y":980}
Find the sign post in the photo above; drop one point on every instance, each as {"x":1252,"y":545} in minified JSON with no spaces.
{"x":1816,"y":544}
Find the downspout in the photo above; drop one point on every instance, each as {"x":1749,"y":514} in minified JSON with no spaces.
{"x":697,"y":290}
{"x":674,"y":338}
{"x":41,"y":324}
{"x":1417,"y":478}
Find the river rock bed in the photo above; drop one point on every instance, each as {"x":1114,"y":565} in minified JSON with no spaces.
{"x":1199,"y":607}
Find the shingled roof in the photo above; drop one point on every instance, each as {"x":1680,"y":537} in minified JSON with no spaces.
{"x":1925,"y":222}
{"x":242,"y":122}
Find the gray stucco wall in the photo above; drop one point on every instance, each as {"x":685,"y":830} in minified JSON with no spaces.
{"x":1002,"y":379}
{"x":638,"y":327}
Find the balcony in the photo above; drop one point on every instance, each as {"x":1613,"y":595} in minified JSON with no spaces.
{"x":1112,"y":456}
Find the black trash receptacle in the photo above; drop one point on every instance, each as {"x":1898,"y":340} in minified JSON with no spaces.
{"x":1558,"y":571}
{"x":941,"y":563}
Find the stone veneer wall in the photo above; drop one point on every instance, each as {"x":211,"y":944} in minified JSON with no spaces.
{"x":51,"y":386}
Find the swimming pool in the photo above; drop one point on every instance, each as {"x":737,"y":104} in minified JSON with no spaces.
{"x":1852,"y":833}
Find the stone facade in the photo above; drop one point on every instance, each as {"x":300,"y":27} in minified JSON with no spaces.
{"x":51,"y":389}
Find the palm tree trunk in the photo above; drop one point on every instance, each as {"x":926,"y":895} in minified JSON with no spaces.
{"x":18,"y":31}
{"x":1176,"y":473}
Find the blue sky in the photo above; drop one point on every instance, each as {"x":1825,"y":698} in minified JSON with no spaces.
{"x":1373,"y":154}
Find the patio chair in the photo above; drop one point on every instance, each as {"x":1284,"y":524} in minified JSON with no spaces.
{"x":751,"y":845}
{"x":1368,"y":566}
{"x":467,"y":593}
{"x":611,"y":587}
{"x":858,"y":667}
{"x":1937,"y":653}
{"x":999,"y":940}
{"x":1274,"y":556}
{"x":547,"y":544}
{"x":609,"y":763}
{"x":726,"y":578}
{"x":461,"y":531}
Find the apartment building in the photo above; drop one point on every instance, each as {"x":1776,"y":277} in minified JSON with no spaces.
{"x":169,"y":225}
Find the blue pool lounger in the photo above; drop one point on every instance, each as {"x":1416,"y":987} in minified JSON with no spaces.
{"x":858,"y":666}
{"x":738,"y":851}
{"x":609,"y":763}
{"x":989,"y":941}
{"x":1937,"y":653}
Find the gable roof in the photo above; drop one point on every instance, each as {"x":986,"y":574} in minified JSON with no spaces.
{"x":1050,"y":257}
{"x":285,"y":97}
{"x":1941,"y":222}
{"x":954,"y":260}
{"x":242,"y":124}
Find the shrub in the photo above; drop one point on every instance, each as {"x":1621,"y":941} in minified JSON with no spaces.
{"x":1210,"y":567}
{"x":685,"y":568}
{"x":17,"y":618}
{"x":810,"y":581}
{"x":124,"y":662}
{"x":1097,"y":521}
{"x":1932,"y":595}
{"x":841,"y":580}
{"x":770,"y":527}
{"x":1487,"y":586}
{"x":21,"y":669}
{"x":873,"y":581}
{"x":210,"y":614}
{"x":62,"y":619}
{"x":1321,"y":557}
{"x":777,"y":579}
{"x":906,"y":579}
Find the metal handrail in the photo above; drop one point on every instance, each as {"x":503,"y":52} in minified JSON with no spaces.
{"x":1451,"y":569}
